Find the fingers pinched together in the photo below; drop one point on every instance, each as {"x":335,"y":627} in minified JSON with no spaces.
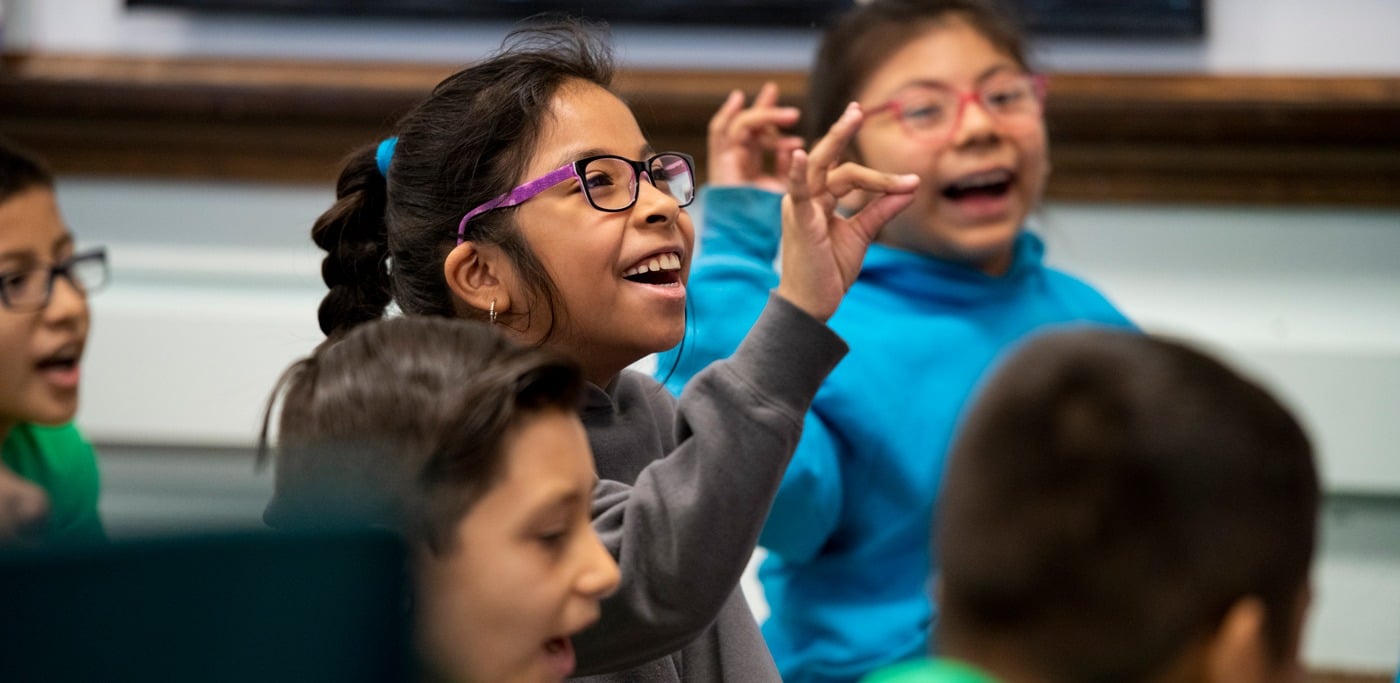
{"x":822,"y":250}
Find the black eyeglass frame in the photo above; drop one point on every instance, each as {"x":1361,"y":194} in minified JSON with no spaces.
{"x":638,"y":169}
{"x":64,"y":269}
{"x":529,"y":190}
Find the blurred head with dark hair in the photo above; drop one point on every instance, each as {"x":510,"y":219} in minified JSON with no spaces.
{"x":20,"y":171}
{"x":36,"y":322}
{"x":1123,"y":508}
{"x":471,"y":446}
{"x":44,"y":320}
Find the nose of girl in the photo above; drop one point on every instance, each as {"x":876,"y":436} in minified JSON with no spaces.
{"x":656,"y":205}
{"x":599,"y":575}
{"x":67,"y":303}
{"x":974,"y":123}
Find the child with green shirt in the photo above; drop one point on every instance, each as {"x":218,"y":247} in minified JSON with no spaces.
{"x":49,"y":479}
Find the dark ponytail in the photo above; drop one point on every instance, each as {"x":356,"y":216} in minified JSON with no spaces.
{"x":354,"y":234}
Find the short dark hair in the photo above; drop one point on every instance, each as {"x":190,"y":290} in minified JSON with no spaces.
{"x":464,"y":145}
{"x":21,"y":170}
{"x":1110,"y":496}
{"x":402,"y":424}
{"x":865,"y":37}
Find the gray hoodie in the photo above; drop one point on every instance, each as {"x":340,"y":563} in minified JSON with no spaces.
{"x":686,"y":486}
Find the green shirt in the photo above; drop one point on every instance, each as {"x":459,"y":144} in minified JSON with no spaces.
{"x":62,"y":463}
{"x":929,"y":671}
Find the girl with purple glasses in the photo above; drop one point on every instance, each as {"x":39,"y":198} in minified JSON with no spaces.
{"x":522,"y":192}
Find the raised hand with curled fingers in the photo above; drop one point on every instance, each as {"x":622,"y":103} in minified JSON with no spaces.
{"x":822,"y":250}
{"x":741,"y":140}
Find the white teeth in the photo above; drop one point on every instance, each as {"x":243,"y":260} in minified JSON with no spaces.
{"x":667,"y":261}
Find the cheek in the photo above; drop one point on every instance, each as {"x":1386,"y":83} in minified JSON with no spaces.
{"x":1035,"y":149}
{"x":477,"y":604}
{"x":890,"y":151}
{"x":686,"y":225}
{"x":14,"y":339}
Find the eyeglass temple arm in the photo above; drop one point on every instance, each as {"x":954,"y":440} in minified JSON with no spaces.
{"x":517,"y":196}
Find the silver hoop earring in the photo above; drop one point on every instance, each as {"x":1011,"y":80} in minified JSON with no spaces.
{"x":493,"y":311}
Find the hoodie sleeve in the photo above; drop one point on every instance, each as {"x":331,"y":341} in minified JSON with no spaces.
{"x":684,"y":532}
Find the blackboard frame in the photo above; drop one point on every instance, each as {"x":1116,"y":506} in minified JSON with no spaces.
{"x":1082,"y":18}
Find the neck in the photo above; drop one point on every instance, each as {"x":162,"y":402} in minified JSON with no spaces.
{"x":603,"y":370}
{"x":601,"y":363}
{"x":5,"y":428}
{"x":994,"y":264}
{"x":602,"y":379}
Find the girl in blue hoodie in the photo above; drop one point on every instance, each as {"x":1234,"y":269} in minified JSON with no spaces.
{"x":952,"y":282}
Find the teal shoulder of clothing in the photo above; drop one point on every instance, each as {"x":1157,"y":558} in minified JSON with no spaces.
{"x":848,"y":565}
{"x":60,"y":461}
{"x":929,"y":671}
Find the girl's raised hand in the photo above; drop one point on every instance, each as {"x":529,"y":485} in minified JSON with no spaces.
{"x":821,"y":250}
{"x":740,"y":141}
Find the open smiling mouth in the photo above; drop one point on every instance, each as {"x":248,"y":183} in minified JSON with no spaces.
{"x":560,"y":654}
{"x":59,"y":364}
{"x":62,"y":360}
{"x":990,"y":184}
{"x":662,"y":269}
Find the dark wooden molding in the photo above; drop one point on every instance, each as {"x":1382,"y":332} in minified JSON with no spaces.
{"x":1115,"y":137}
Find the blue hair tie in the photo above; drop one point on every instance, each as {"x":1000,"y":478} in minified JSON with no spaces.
{"x":385,"y":154}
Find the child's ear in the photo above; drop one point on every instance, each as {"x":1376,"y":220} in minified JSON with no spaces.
{"x":477,"y":276}
{"x":1238,"y":652}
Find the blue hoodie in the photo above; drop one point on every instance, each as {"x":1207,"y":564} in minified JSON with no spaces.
{"x":847,"y":576}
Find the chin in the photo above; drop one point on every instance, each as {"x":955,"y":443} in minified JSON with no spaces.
{"x":670,"y":344}
{"x":667,"y":339}
{"x":53,"y":414}
{"x":993,"y":244}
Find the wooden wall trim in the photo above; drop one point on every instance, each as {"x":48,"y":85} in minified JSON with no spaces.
{"x":1114,"y":137}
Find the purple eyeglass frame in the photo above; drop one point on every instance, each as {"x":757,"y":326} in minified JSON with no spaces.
{"x":527,"y":191}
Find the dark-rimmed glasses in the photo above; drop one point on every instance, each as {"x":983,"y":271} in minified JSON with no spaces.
{"x":29,"y":289}
{"x":933,"y":112}
{"x":610,"y":182}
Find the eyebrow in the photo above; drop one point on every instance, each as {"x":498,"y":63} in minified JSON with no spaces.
{"x":572,"y":156}
{"x":568,"y":499}
{"x":554,"y":503}
{"x":28,"y":256}
{"x":986,"y":73}
{"x":996,"y":69}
